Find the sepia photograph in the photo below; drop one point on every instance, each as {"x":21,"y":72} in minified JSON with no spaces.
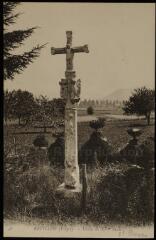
{"x":78,"y":119}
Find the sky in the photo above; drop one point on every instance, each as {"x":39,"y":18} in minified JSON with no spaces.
{"x":120,"y":37}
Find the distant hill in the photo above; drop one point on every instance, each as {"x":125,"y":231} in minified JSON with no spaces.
{"x":120,"y":95}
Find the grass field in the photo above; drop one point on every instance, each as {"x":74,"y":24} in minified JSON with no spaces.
{"x":115,"y":131}
{"x":106,"y":199}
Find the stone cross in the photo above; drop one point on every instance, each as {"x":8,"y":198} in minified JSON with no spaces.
{"x":70,"y":92}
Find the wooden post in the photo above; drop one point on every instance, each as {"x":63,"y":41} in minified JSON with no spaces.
{"x":84,"y":188}
{"x":15,"y":144}
{"x":44,"y":129}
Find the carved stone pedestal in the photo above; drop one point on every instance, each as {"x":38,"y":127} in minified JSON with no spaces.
{"x":68,"y":192}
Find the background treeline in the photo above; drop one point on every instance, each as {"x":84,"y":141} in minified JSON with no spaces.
{"x":24,"y":107}
{"x":100,"y":103}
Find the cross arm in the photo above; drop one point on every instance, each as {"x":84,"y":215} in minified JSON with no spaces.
{"x":58,"y":50}
{"x":81,"y":49}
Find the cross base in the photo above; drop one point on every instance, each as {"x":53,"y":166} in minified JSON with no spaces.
{"x":68,"y":191}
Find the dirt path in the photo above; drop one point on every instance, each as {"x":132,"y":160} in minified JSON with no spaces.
{"x":17,"y":229}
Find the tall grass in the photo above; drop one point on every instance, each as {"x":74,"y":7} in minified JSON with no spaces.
{"x":116,"y":192}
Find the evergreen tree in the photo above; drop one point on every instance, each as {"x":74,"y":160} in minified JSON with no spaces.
{"x":15,"y":64}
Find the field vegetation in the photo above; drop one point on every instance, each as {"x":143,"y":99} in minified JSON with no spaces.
{"x":116,"y":191}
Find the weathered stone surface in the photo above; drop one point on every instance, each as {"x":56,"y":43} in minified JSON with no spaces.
{"x":68,"y":191}
{"x":63,"y":88}
{"x":71,"y":154}
{"x":70,"y":92}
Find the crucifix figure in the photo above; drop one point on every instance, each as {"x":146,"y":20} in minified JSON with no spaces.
{"x":70,"y":92}
{"x":69,"y":51}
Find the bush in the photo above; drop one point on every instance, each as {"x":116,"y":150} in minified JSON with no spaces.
{"x":40,"y":141}
{"x":90,"y":110}
{"x":147,"y":159}
{"x":56,"y":154}
{"x":116,"y":192}
{"x":36,"y":157}
{"x":139,"y":154}
{"x":97,"y":124}
{"x":120,"y":193}
{"x":95,"y":150}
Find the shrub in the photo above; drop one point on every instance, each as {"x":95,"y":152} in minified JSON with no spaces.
{"x":40,"y":141}
{"x":120,"y":193}
{"x":147,"y":159}
{"x":95,"y":150}
{"x":90,"y":110}
{"x":97,"y":124}
{"x":56,"y":153}
{"x":36,"y":157}
{"x":116,"y":192}
{"x":140,"y":154}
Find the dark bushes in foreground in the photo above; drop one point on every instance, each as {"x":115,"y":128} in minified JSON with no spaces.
{"x":117,"y":191}
{"x":122,"y":194}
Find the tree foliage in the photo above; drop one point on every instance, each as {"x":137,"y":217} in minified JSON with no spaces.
{"x":59,"y":107}
{"x":97,"y":124}
{"x":19,"y":105}
{"x":43,"y":111}
{"x":15,"y":63}
{"x":90,"y":110}
{"x":22,"y":105}
{"x":8,"y":104}
{"x":141,"y":103}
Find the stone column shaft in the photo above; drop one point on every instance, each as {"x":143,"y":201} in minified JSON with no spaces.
{"x":71,"y":152}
